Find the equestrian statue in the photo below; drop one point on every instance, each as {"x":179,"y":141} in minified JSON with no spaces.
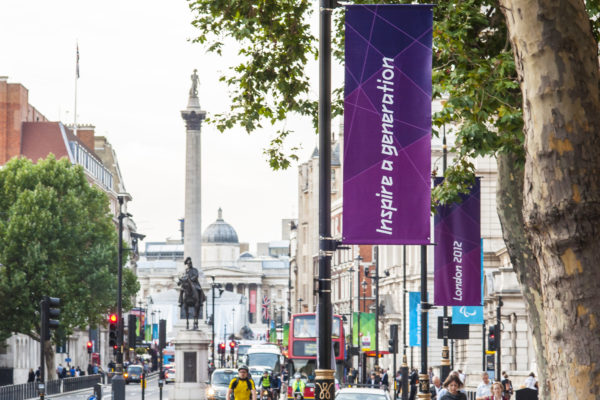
{"x":190,"y":293}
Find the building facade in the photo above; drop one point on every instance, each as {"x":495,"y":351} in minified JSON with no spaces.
{"x":352,"y":289}
{"x":25,"y":132}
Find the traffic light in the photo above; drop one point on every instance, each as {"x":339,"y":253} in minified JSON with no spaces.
{"x":162,"y":334}
{"x":221,"y":348}
{"x":90,"y":346}
{"x":112,"y":331}
{"x":492,"y":338}
{"x":232,"y":347}
{"x":131,"y":327}
{"x":393,"y":339}
{"x":50,"y":314}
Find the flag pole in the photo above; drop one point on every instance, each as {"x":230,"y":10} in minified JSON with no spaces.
{"x":76,"y":79}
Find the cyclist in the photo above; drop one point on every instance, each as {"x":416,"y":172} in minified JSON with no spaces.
{"x":265,"y":383}
{"x":298,"y":386}
{"x":242,"y":386}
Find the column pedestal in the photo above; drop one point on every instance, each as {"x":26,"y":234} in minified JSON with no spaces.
{"x":191,"y":364}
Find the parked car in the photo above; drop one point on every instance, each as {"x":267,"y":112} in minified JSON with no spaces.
{"x":219,"y":383}
{"x":133,"y":374}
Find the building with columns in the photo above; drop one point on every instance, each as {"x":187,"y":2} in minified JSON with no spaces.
{"x":253,"y":286}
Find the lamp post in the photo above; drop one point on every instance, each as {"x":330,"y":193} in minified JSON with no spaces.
{"x":404,"y":346}
{"x":300,"y":300}
{"x":363,"y":374}
{"x":214,"y":286}
{"x":351,"y":298}
{"x":445,"y":363}
{"x":118,"y":383}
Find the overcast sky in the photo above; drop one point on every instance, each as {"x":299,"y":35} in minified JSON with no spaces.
{"x":135,"y":67}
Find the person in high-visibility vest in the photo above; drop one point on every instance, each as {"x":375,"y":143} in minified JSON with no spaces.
{"x":298,"y":385}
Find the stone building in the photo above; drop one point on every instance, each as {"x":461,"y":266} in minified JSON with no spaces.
{"x":254,"y":287}
{"x":25,"y":132}
{"x":348,"y":290}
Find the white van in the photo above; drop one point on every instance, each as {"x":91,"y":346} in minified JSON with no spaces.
{"x":266,"y":356}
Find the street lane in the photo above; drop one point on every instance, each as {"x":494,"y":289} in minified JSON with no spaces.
{"x":133,"y":391}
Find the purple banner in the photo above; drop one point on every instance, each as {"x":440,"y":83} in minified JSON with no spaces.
{"x":387,"y":124}
{"x":457,"y":268}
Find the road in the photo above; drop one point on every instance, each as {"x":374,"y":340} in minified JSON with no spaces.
{"x":133,"y":391}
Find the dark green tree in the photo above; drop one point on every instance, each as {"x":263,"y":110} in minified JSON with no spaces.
{"x":57,"y":239}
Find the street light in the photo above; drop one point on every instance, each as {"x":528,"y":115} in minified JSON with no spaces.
{"x":214,"y":285}
{"x":118,"y":383}
{"x":351,"y":272}
{"x":360,"y":354}
{"x":300,"y":300}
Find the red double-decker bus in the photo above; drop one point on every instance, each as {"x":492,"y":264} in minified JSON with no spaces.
{"x":302,"y":350}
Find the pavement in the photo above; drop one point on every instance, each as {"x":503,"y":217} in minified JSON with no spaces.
{"x":133,"y":391}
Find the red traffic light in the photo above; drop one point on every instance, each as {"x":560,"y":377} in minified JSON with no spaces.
{"x":232,"y":344}
{"x":112,"y":318}
{"x":89,"y":344}
{"x":222,"y":345}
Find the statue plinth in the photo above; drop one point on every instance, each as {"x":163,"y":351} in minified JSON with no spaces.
{"x":191,"y":365}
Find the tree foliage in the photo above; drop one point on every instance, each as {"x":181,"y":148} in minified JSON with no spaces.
{"x":56,"y":239}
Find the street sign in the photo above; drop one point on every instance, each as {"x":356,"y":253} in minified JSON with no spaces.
{"x":454,"y":331}
{"x":67,"y":360}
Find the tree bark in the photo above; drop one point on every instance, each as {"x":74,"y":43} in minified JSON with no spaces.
{"x":556,"y":57}
{"x":49,"y":358}
{"x":509,"y":200}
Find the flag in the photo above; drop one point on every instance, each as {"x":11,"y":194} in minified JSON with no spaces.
{"x":77,"y":62}
{"x":387,"y":124}
{"x":266,"y":303}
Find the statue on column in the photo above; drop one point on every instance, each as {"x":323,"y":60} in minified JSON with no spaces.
{"x":190,"y":293}
{"x":195,"y":81}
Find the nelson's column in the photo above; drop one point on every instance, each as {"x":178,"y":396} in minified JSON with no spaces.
{"x":192,"y":238}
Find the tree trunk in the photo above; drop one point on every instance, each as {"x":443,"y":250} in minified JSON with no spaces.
{"x":509,"y":199}
{"x":556,"y":57}
{"x":49,"y":358}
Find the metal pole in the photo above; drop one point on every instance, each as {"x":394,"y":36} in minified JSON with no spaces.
{"x":377,"y":305}
{"x":404,"y":346}
{"x":424,"y":376}
{"x":358,"y":338}
{"x":213,"y":322}
{"x":483,"y":336}
{"x":445,"y":362}
{"x":118,"y":383}
{"x":43,"y":328}
{"x":324,"y":375}
{"x":498,"y":339}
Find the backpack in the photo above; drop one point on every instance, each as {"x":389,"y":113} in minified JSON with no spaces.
{"x":235,"y":383}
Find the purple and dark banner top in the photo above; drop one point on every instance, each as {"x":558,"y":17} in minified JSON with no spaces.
{"x":387,"y":124}
{"x":457,"y":267}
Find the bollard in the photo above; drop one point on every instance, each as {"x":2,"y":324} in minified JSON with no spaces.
{"x":98,"y":391}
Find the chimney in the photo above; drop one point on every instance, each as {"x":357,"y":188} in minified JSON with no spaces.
{"x":85,"y":133}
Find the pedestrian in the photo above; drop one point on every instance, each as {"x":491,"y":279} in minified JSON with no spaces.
{"x":485,"y":387}
{"x":531,"y":382}
{"x":59,"y":370}
{"x":497,"y":392}
{"x":37,"y":374}
{"x":436,"y":387}
{"x":31,"y":376}
{"x":453,"y":384}
{"x":242,"y":387}
{"x":507,"y":387}
{"x":430,"y":373}
{"x":373,"y":380}
{"x":462,"y":377}
{"x":90,"y":369}
{"x":385,"y":382}
{"x":413,"y":381}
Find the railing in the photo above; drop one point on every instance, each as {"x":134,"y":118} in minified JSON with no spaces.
{"x":30,"y":390}
{"x":82,"y":382}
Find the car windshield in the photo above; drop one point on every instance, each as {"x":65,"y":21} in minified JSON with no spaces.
{"x":134,"y":369}
{"x":263,"y":359}
{"x":360,"y":396}
{"x":223,"y":377}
